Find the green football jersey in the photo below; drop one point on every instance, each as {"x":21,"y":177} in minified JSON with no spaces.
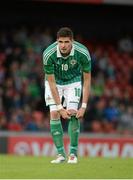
{"x":68,"y":69}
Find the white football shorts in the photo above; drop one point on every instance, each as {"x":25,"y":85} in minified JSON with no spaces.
{"x":70,"y":92}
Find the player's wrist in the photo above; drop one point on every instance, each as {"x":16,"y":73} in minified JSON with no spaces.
{"x":59,"y":107}
{"x":84,"y":105}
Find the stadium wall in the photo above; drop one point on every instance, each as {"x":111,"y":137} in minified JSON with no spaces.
{"x":90,"y":145}
{"x":99,"y":22}
{"x":117,"y":2}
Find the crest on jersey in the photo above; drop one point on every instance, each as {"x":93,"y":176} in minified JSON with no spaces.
{"x":73,"y":62}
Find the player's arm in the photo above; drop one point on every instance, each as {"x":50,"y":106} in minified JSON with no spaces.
{"x":49,"y":73}
{"x":86,"y":68}
{"x":86,"y":88}
{"x":85,"y":94}
{"x":53,"y":88}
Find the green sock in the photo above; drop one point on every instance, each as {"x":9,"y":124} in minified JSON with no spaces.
{"x":73,"y":131}
{"x":57,"y":135}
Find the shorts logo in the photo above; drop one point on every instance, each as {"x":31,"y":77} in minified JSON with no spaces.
{"x":49,"y":100}
{"x":73,"y":62}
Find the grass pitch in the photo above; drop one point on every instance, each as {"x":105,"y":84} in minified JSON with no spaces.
{"x":28,"y":167}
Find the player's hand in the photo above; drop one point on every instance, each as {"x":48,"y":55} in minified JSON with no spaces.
{"x":80,"y":113}
{"x":65,"y":114}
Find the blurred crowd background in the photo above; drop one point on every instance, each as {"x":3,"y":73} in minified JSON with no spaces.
{"x":27,"y":28}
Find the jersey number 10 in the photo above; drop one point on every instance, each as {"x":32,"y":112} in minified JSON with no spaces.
{"x":64,"y":67}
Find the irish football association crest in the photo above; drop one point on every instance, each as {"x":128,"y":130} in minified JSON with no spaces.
{"x":73,"y":62}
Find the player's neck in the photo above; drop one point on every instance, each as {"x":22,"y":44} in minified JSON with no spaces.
{"x":65,"y":54}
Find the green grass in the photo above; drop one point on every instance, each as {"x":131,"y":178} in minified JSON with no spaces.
{"x":27,"y":167}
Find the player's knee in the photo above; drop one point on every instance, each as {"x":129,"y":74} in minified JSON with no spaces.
{"x":54,"y":115}
{"x":72,"y":112}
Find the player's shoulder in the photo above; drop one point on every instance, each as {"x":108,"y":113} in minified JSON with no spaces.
{"x":81,"y":50}
{"x":80,"y":46}
{"x":50,"y":49}
{"x":49,"y":52}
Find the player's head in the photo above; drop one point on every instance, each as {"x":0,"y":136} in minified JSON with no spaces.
{"x":65,"y":39}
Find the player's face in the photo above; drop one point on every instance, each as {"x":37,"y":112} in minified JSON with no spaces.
{"x":65,"y":45}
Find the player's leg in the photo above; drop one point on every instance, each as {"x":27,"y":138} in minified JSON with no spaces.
{"x":57,"y":134}
{"x":73,"y":131}
{"x":55,"y":125}
{"x":73,"y":94}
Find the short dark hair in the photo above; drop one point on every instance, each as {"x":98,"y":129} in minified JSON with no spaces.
{"x":65,"y":32}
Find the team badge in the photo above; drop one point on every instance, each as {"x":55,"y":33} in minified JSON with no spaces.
{"x":73,"y":62}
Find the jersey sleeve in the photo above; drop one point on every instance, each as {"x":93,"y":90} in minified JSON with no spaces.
{"x":48,"y":65}
{"x":86,"y":62}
